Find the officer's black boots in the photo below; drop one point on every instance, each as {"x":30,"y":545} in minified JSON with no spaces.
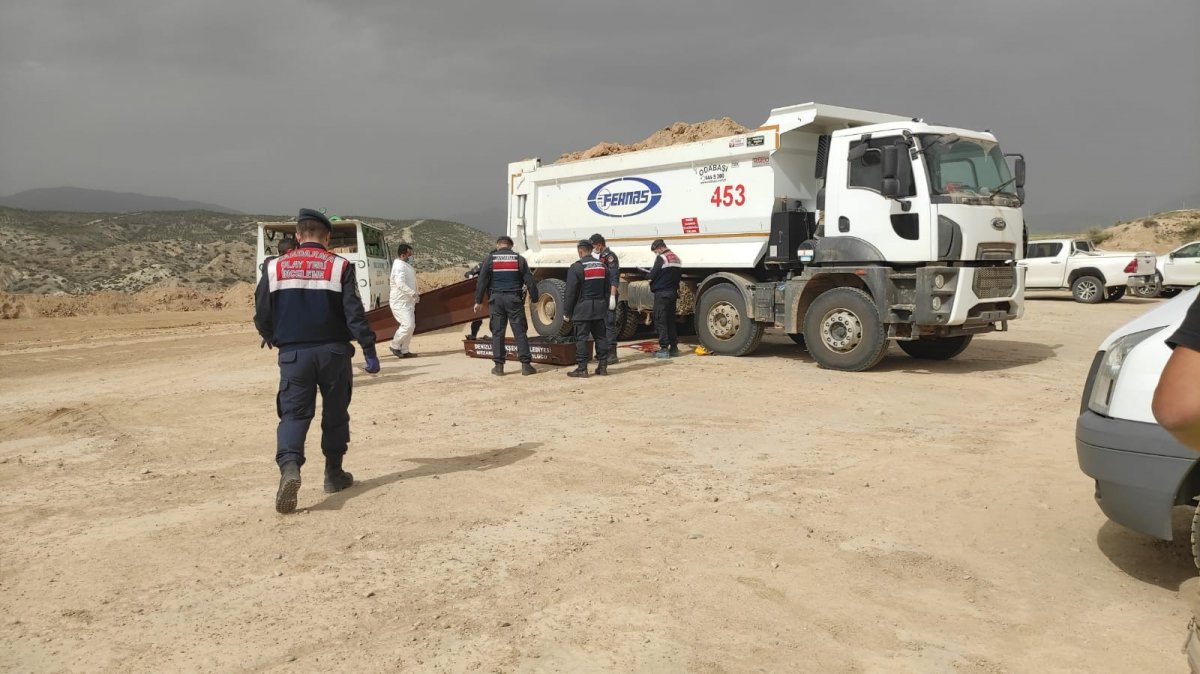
{"x":674,"y":352}
{"x":289,"y":484}
{"x":336,"y":479}
{"x":578,"y":372}
{"x":612,"y":360}
{"x":498,"y":370}
{"x":602,"y":368}
{"x":527,"y":369}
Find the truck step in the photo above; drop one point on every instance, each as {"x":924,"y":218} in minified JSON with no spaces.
{"x":903,"y":307}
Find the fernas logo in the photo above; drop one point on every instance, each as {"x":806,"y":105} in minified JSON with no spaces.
{"x":623,"y":197}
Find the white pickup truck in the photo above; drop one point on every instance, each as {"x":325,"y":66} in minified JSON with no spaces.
{"x":1177,"y":270}
{"x":1092,"y":275}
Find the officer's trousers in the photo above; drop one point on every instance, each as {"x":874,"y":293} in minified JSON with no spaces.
{"x":596,"y":330}
{"x":610,"y":330}
{"x":301,"y":374}
{"x":664,"y":320}
{"x":509,"y":309}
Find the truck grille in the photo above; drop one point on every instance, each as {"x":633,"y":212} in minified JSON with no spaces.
{"x":995,"y":251}
{"x":994,"y":282}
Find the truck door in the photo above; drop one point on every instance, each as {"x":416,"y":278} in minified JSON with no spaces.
{"x":1183,"y":266}
{"x":1045,"y":265}
{"x":900,"y":228}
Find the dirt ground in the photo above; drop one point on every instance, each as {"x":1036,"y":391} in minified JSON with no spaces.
{"x":704,"y":514}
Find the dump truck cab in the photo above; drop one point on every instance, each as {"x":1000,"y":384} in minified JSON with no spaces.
{"x":362,"y":244}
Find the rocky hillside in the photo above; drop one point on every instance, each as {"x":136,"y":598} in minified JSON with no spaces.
{"x":56,"y":252}
{"x":1159,"y":233}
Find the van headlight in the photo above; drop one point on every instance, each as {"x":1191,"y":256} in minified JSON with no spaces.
{"x":1110,"y":369}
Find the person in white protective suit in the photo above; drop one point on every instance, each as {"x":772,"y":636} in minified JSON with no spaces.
{"x":403,"y":300}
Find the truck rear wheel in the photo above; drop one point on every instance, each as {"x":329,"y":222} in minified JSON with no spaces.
{"x":547,"y":311}
{"x":1088,"y":289}
{"x":723,"y":323}
{"x":944,"y":348}
{"x":844,"y":332}
{"x":627,"y":321}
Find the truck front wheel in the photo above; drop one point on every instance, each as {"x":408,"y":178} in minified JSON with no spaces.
{"x":1088,"y":289}
{"x":935,"y":349}
{"x":723,"y":324}
{"x":844,"y":332}
{"x":547,"y":311}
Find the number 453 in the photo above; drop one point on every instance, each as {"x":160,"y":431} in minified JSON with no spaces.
{"x":729,"y":195}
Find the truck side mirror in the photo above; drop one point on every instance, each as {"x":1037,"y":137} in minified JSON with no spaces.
{"x":1019,"y":169}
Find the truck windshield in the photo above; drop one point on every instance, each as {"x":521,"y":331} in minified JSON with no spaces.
{"x":968,"y":168}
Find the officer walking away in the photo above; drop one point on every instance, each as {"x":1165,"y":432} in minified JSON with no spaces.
{"x":306,"y":304}
{"x":473,"y":272}
{"x":612,"y":266}
{"x":501,"y":275}
{"x":664,"y":283}
{"x":587,"y":288}
{"x":403,"y":301}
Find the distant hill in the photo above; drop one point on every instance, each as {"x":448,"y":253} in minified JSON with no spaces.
{"x":57,"y":252}
{"x":79,"y":200}
{"x":1159,"y":233}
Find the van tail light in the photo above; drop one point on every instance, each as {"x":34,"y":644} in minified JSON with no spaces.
{"x":1131,"y":267}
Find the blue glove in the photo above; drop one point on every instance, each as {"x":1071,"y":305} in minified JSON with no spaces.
{"x":372,"y":366}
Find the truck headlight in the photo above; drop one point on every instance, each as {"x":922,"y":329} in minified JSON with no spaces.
{"x":1110,"y":369}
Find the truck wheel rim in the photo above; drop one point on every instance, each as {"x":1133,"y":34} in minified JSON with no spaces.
{"x":724,"y":321}
{"x":547,"y":308}
{"x":1087,"y":290}
{"x":841,"y":330}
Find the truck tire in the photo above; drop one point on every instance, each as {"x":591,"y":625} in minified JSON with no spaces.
{"x":546,"y":313}
{"x":935,"y":349}
{"x":723,"y":324}
{"x":627,"y":321}
{"x":1088,"y":289}
{"x":846,"y":332}
{"x":1115,"y":294}
{"x":1196,"y":536}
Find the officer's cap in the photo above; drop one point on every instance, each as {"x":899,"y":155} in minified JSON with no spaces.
{"x":310,"y":214}
{"x":596,"y":238}
{"x":584,"y":243}
{"x":658,"y":243}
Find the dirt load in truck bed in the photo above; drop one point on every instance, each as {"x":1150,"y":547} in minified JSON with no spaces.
{"x":675,"y":134}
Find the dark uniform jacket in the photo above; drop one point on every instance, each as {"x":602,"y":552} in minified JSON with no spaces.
{"x":664,"y":275}
{"x":309,"y":297}
{"x":612,"y":264}
{"x":587,"y":290}
{"x":504,"y":270}
{"x":1188,"y":334}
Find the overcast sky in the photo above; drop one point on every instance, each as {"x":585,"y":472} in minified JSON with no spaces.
{"x":413,"y":109}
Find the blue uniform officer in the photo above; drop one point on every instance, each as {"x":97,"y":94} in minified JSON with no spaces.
{"x":307,"y":306}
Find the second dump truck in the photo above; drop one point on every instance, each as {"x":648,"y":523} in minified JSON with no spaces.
{"x":846,"y":229}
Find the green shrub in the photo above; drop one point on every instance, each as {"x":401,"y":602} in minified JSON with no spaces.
{"x":1098,"y":236}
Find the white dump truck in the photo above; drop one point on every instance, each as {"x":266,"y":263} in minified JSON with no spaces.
{"x":844,"y":228}
{"x":362,"y":244}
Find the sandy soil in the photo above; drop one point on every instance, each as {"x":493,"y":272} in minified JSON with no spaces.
{"x":677,"y":133}
{"x":1159,"y":233}
{"x":705,"y":514}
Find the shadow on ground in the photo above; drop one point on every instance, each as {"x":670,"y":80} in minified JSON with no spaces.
{"x":985,"y":354}
{"x":1166,"y":564}
{"x":428,"y":467}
